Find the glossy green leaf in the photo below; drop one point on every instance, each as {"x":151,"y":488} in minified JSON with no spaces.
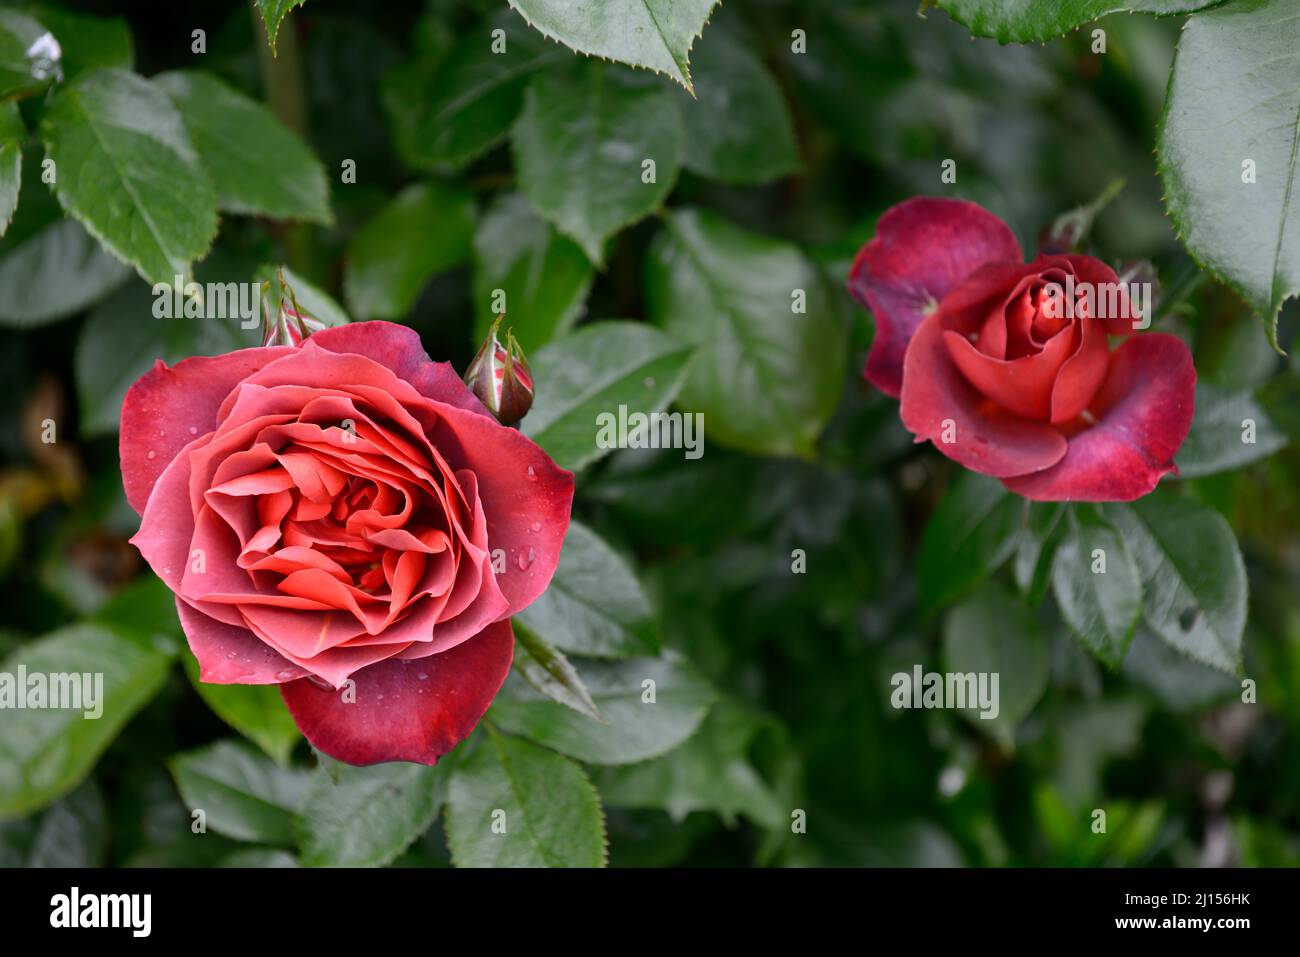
{"x":28,"y":59}
{"x":367,"y":816}
{"x":710,"y":772}
{"x":583,"y":147}
{"x":241,"y":793}
{"x":513,"y":804}
{"x":655,"y":34}
{"x":594,"y":605}
{"x":12,"y":135}
{"x":1228,"y":147}
{"x":974,"y":530}
{"x":1041,"y":532}
{"x":46,"y":752}
{"x":72,"y":832}
{"x":1230,"y":430}
{"x":650,"y":706}
{"x":1193,"y":578}
{"x":738,"y":129}
{"x":451,"y":112}
{"x":257,"y":165}
{"x":122,"y":339}
{"x":1022,"y":21}
{"x":992,"y":633}
{"x":273,"y":13}
{"x":54,"y":273}
{"x":1097,"y":585}
{"x":127,"y":170}
{"x":255,"y":711}
{"x":584,"y":378}
{"x":549,"y":672}
{"x":522,"y":265}
{"x":768,"y":375}
{"x":427,"y":229}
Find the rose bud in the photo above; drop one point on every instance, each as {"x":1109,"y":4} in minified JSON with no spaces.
{"x":500,"y":377}
{"x":288,"y":325}
{"x":1008,"y":367}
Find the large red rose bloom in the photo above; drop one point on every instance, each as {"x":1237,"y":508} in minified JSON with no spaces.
{"x":344,"y":514}
{"x":1008,"y":367}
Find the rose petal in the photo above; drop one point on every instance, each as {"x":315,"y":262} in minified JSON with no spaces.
{"x":1082,"y":374}
{"x":399,"y":348}
{"x":167,"y":408}
{"x":397,"y":714}
{"x":229,"y":655}
{"x":1144,"y":411}
{"x":1021,"y":386}
{"x":922,"y":249}
{"x":937,"y":399}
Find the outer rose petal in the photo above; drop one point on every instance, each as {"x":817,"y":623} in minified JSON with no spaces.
{"x":167,"y":408}
{"x":987,"y":439}
{"x":399,"y":716}
{"x":1144,"y":411}
{"x":923,"y":247}
{"x":399,"y":348}
{"x":228,"y":655}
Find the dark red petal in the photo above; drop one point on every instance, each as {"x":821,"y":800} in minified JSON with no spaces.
{"x":1144,"y":411}
{"x":398,"y":347}
{"x":406,"y":710}
{"x":1082,"y":374}
{"x":923,"y":248}
{"x":987,"y":438}
{"x":1021,"y":386}
{"x":167,"y":408}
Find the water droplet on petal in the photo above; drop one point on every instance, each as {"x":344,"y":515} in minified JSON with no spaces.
{"x":537,"y":526}
{"x":194,"y":430}
{"x":423,"y":676}
{"x":532,"y":474}
{"x":152,"y":455}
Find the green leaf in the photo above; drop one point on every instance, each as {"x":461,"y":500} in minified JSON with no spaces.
{"x":591,"y":373}
{"x":121,"y":340}
{"x":72,"y":832}
{"x":427,"y":229}
{"x":1233,"y":98}
{"x":1040,"y":534}
{"x":273,"y":13}
{"x":650,"y":706}
{"x":368,"y":816}
{"x":256,"y":164}
{"x":513,"y":804}
{"x":241,"y":794}
{"x":595,"y":605}
{"x":655,"y":34}
{"x":544,"y":276}
{"x":54,"y":273}
{"x":258,"y":857}
{"x":991,"y":633}
{"x":739,"y":129}
{"x":88,"y":43}
{"x":581,"y":145}
{"x":1097,"y":585}
{"x":12,"y":134}
{"x":767,"y":377}
{"x":1022,"y":21}
{"x":546,"y":669}
{"x":1193,"y":578}
{"x":974,"y":530}
{"x":1230,"y":430}
{"x":451,"y":112}
{"x":27,"y":60}
{"x":710,"y":772}
{"x":255,"y":711}
{"x":46,"y":752}
{"x":126,"y":169}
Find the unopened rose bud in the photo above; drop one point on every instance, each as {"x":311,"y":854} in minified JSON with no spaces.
{"x":500,"y":377}
{"x":287,"y":325}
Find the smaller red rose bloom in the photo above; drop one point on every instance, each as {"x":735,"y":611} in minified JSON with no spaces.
{"x":1007,"y":367}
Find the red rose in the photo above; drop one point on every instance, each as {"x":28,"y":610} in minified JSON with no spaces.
{"x":331,"y":511}
{"x":1007,"y":368}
